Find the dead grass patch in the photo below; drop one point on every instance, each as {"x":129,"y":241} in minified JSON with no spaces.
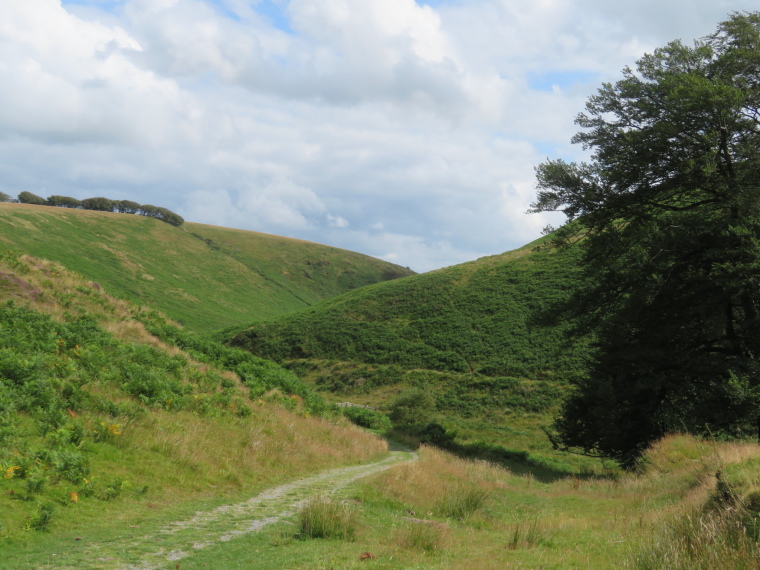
{"x":443,"y":483}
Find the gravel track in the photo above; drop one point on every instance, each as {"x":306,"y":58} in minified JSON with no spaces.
{"x":179,"y":539}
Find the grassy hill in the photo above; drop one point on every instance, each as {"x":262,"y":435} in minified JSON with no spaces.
{"x":490,"y":317}
{"x":98,"y":416}
{"x":203,"y":276}
{"x":481,"y":337}
{"x":124,"y":439}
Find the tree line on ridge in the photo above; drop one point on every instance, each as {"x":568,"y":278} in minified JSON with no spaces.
{"x":100,"y":204}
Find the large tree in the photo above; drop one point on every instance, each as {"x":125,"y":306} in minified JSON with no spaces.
{"x":668,"y":209}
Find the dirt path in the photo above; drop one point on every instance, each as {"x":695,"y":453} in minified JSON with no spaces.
{"x":180,"y":539}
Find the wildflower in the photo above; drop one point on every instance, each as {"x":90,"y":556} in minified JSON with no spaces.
{"x":74,"y":497}
{"x":11,"y":471}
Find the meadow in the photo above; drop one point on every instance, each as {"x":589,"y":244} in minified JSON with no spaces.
{"x":446,"y":512}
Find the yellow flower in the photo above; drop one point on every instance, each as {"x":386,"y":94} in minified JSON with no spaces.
{"x":74,"y":497}
{"x":11,"y":471}
{"x":114,"y":429}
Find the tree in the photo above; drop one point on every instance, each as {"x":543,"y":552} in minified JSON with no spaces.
{"x":63,"y":202}
{"x":161,"y":214}
{"x":669,"y":212}
{"x":4,"y":197}
{"x":99,"y":203}
{"x":127,"y":207}
{"x":29,"y":198}
{"x":414,"y":406}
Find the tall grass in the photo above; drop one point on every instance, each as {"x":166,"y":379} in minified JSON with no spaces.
{"x":323,"y":517}
{"x":703,"y":541}
{"x":527,"y":535}
{"x":461,"y":502}
{"x":440,"y":483}
{"x":426,"y":536}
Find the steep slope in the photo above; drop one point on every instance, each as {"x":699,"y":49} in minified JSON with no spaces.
{"x":491,"y":316}
{"x":309,"y":271}
{"x":102,"y":421}
{"x":202,"y":276}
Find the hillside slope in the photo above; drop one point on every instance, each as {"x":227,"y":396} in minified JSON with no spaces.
{"x":203,"y":276}
{"x":481,"y":338}
{"x":491,"y":317}
{"x":102,"y":422}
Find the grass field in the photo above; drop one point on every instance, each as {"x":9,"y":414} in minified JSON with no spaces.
{"x":444,"y":512}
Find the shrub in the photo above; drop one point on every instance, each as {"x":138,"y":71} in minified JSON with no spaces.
{"x":371,"y":419}
{"x":412,"y":406}
{"x":35,"y":484}
{"x":326,"y":518}
{"x":41,"y":519}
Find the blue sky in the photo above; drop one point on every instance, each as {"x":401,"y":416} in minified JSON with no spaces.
{"x":407,"y":131}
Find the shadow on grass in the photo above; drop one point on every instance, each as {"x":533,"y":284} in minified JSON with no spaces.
{"x":543,"y":469}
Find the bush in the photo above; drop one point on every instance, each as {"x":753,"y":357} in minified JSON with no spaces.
{"x":412,"y":406}
{"x":371,"y":419}
{"x":42,"y":518}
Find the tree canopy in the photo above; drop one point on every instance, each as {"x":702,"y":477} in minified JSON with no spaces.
{"x":101,"y":204}
{"x":669,"y":209}
{"x":29,"y":198}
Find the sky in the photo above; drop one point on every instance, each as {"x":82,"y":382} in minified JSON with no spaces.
{"x":408,"y":131}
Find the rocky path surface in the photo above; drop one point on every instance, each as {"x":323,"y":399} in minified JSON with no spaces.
{"x":180,"y":539}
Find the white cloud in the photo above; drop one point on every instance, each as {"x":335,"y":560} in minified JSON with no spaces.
{"x":337,"y":221}
{"x":275,"y":204}
{"x":421,"y":125}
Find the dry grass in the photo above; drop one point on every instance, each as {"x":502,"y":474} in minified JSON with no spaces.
{"x":271,"y":445}
{"x":440,"y":482}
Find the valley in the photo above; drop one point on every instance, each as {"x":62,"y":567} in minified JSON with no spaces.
{"x":118,"y":425}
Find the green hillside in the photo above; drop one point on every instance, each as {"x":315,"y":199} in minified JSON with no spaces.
{"x":481,"y":338}
{"x":490,"y":316}
{"x":202,"y":276}
{"x":99,"y":417}
{"x":128,"y":442}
